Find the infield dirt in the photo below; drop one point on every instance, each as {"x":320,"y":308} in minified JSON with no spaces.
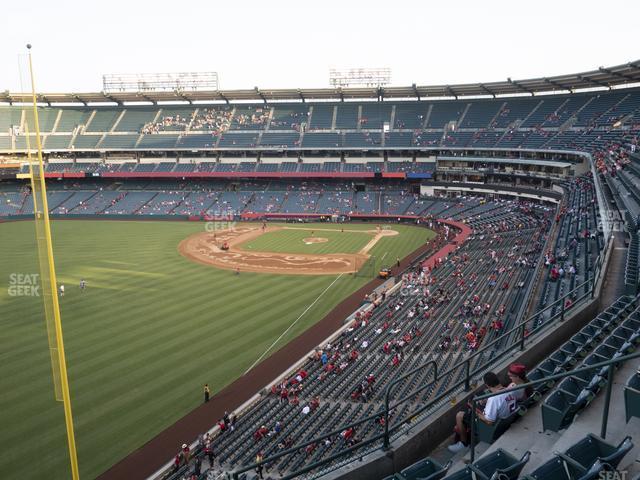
{"x":206,"y":248}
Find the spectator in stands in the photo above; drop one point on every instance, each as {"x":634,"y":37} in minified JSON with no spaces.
{"x":497,"y":407}
{"x":225,"y":419}
{"x":186,"y":453}
{"x":517,"y":375}
{"x":177,"y":461}
{"x":260,"y":433}
{"x":197,"y":467}
{"x":260,"y":467}
{"x":222,"y":426}
{"x":208,"y":451}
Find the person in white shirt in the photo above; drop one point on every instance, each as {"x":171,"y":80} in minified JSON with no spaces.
{"x":497,"y":407}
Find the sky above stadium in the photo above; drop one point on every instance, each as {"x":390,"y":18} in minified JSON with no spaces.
{"x":293,"y":44}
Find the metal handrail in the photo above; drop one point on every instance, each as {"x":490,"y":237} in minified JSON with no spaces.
{"x":611,"y":363}
{"x":390,"y":388}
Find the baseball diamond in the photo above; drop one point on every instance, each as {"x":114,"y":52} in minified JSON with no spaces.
{"x":205,"y":248}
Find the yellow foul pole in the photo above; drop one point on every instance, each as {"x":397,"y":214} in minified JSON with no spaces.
{"x":66,"y":398}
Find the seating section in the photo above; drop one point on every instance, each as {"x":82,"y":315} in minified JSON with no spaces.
{"x":250,"y":117}
{"x":583,"y":121}
{"x":349,"y":381}
{"x":586,"y":459}
{"x":134,"y":119}
{"x":613,"y":333}
{"x":577,"y":245}
{"x":497,"y":465}
{"x":289,"y":117}
{"x":103,"y":120}
{"x":328,"y":197}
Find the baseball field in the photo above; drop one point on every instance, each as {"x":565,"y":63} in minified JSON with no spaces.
{"x":154,"y":324}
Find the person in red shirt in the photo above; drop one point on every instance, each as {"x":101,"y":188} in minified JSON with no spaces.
{"x":284,"y":395}
{"x":482,"y":332}
{"x":347,"y":434}
{"x":260,"y":433}
{"x":309,"y":449}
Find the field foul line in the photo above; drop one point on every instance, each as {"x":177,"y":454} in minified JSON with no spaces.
{"x":292,"y":325}
{"x":385,"y":254}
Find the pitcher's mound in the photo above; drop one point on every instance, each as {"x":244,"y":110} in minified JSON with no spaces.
{"x":312,"y":240}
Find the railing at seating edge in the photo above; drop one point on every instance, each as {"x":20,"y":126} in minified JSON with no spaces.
{"x":589,"y":286}
{"x":610,"y":364}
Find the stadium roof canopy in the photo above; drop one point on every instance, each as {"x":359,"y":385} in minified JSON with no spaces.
{"x":602,"y":78}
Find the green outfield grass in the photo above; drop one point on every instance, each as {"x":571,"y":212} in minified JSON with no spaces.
{"x":148,"y":332}
{"x":291,"y":239}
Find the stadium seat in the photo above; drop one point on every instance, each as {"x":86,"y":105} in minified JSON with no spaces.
{"x":563,"y":360}
{"x":628,"y":335}
{"x":490,"y":433}
{"x":426,"y":469}
{"x":578,"y":388}
{"x":619,"y":344}
{"x":467,"y":473}
{"x":558,"y":410}
{"x":592,"y":382}
{"x":592,"y":449}
{"x":541,"y":388}
{"x":563,"y":468}
{"x":502,"y":463}
{"x":632,"y":397}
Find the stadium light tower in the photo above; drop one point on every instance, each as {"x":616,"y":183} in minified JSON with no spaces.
{"x":360,"y":77}
{"x":160,"y":82}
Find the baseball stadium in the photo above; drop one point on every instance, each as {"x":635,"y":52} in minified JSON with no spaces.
{"x":353,"y":282}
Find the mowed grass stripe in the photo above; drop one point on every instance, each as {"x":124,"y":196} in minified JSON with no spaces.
{"x":291,"y":240}
{"x":224,"y":314}
{"x":151,"y":328}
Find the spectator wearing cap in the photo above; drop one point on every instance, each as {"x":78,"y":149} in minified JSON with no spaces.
{"x":517,"y":375}
{"x":186,"y":452}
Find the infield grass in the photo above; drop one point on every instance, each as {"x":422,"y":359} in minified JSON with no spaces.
{"x":151,"y":328}
{"x":291,"y":239}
